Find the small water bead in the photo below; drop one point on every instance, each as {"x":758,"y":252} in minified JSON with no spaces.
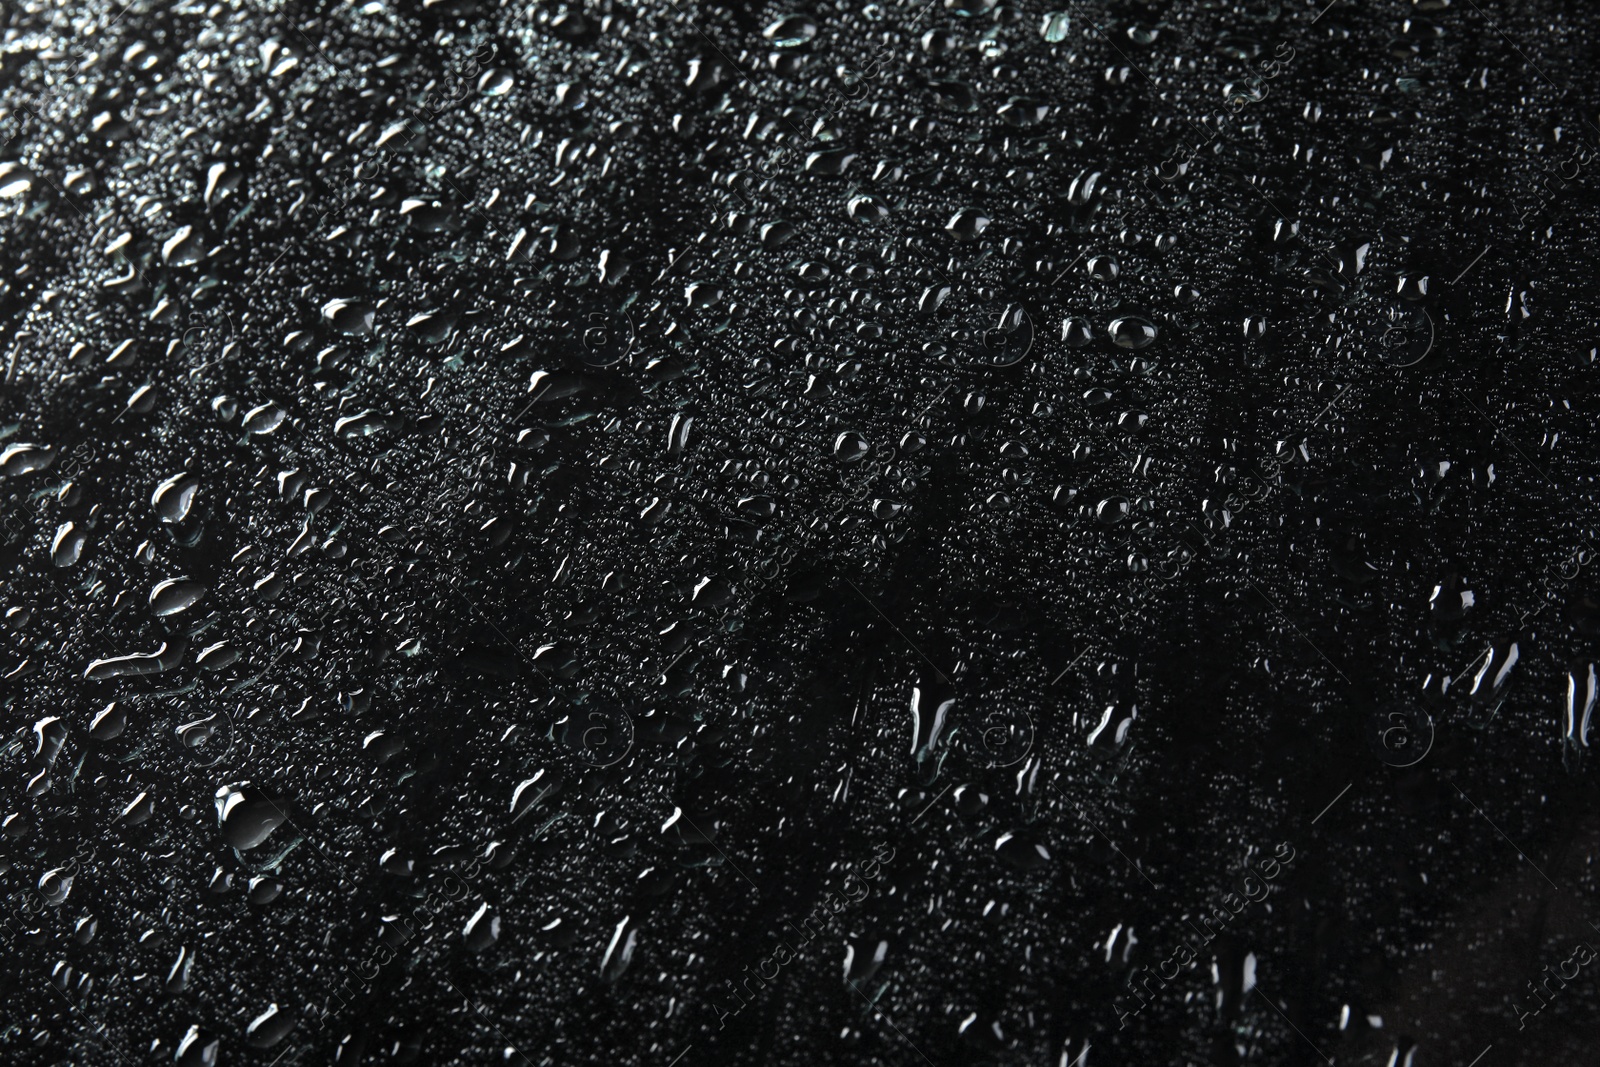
{"x":791,"y":31}
{"x":246,"y":816}
{"x":1103,"y":268}
{"x":354,"y":318}
{"x":67,"y":545}
{"x":850,"y":447}
{"x":968,"y":224}
{"x":174,"y":595}
{"x":183,"y":249}
{"x":15,"y":181}
{"x":20,"y":459}
{"x":1132,"y":332}
{"x":1076,"y":331}
{"x":56,"y":885}
{"x":264,"y":419}
{"x":496,"y":82}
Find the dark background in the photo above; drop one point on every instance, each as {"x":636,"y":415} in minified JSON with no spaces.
{"x":459,"y":531}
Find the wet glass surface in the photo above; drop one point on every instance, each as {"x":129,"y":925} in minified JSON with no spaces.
{"x":955,"y":532}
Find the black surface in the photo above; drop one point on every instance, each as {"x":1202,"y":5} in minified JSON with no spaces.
{"x":605,"y":477}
